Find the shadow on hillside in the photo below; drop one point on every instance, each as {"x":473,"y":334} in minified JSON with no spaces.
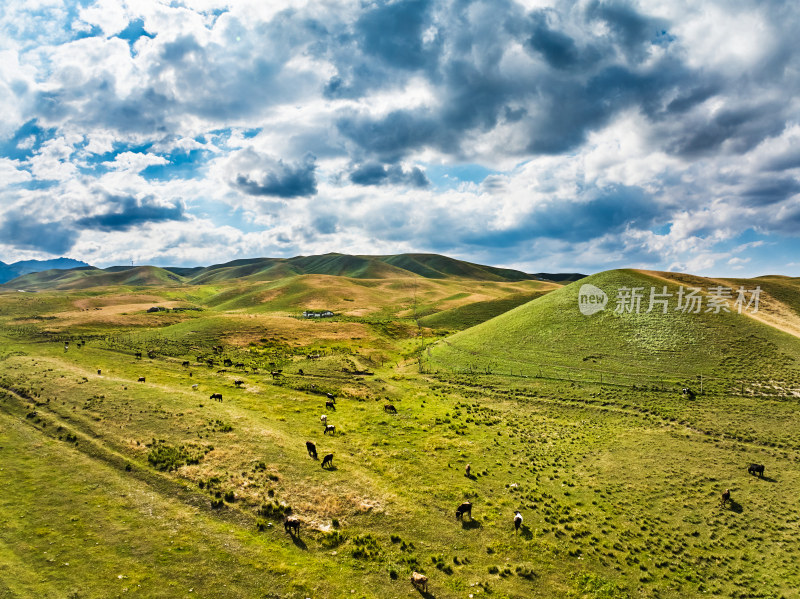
{"x":471,"y":524}
{"x":426,"y":594}
{"x":471,"y":476}
{"x":769,"y":479}
{"x":300,"y":543}
{"x":735,"y":506}
{"x":525,"y":532}
{"x":330,"y":467}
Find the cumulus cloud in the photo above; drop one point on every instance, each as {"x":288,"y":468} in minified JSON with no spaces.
{"x":585,"y":134}
{"x":122,"y":213}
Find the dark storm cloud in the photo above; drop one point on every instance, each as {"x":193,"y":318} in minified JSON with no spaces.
{"x":373,"y":173}
{"x":609,"y":211}
{"x":125,"y":212}
{"x":772,"y":191}
{"x":394,"y":31}
{"x":23,"y":231}
{"x":281,"y":180}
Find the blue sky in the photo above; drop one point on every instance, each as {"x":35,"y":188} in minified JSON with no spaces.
{"x":534,"y":134}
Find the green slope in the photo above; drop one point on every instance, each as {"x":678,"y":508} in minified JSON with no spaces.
{"x":469,"y":315}
{"x":86,"y":278}
{"x":551,"y":332}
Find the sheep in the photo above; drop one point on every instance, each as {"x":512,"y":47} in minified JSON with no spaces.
{"x":324,"y":419}
{"x":517,"y":520}
{"x":291,"y":525}
{"x":420,"y":581}
{"x":329,"y":428}
{"x":464,"y":508}
{"x":327,"y":460}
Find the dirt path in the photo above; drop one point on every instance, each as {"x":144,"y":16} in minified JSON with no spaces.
{"x":782,"y":317}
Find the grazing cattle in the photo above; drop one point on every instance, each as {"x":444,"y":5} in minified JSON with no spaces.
{"x":185,"y":364}
{"x":138,"y":354}
{"x":276,"y":373}
{"x":194,"y":386}
{"x":420,"y":581}
{"x":291,"y":525}
{"x":329,"y":428}
{"x":390,"y":408}
{"x":141,"y":379}
{"x":517,"y":520}
{"x":464,"y":508}
{"x":300,"y":372}
{"x":311,"y":449}
{"x":756,"y":469}
{"x":469,"y":466}
{"x":324,"y":419}
{"x":99,"y":371}
{"x":726,"y":497}
{"x":217,"y":396}
{"x":330,"y":405}
{"x":238,"y":383}
{"x":331,"y":397}
{"x":327,"y":461}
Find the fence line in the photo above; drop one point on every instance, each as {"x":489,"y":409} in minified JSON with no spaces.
{"x":665,"y":380}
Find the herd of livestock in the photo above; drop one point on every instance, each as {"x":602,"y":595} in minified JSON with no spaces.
{"x":292,"y":523}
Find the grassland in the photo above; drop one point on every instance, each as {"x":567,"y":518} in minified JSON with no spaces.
{"x":114,"y":487}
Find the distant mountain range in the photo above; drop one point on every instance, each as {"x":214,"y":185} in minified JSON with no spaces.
{"x":24,"y":267}
{"x":71,"y":274}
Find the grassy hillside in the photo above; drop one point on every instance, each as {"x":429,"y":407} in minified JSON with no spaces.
{"x":551,"y":333}
{"x":429,"y":266}
{"x":118,"y":487}
{"x":474,"y":313}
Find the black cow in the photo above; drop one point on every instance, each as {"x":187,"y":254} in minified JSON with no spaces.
{"x":238,"y":383}
{"x":331,"y":397}
{"x":327,"y":460}
{"x":141,"y":379}
{"x":756,"y":469}
{"x":276,"y":373}
{"x":138,"y":354}
{"x":291,"y":525}
{"x":329,"y":428}
{"x":726,"y":497}
{"x":464,"y":509}
{"x":390,"y":408}
{"x":330,"y":405}
{"x":217,"y":396}
{"x":185,"y":364}
{"x":311,"y":449}
{"x":517,"y":521}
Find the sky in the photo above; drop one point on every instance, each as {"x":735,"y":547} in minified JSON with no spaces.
{"x":534,"y":134}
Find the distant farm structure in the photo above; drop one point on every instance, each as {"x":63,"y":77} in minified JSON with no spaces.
{"x":317,"y":314}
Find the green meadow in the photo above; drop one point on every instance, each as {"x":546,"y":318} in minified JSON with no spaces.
{"x":113,"y":487}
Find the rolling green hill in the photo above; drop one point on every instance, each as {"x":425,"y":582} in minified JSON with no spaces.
{"x":550,"y":335}
{"x":428,"y":266}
